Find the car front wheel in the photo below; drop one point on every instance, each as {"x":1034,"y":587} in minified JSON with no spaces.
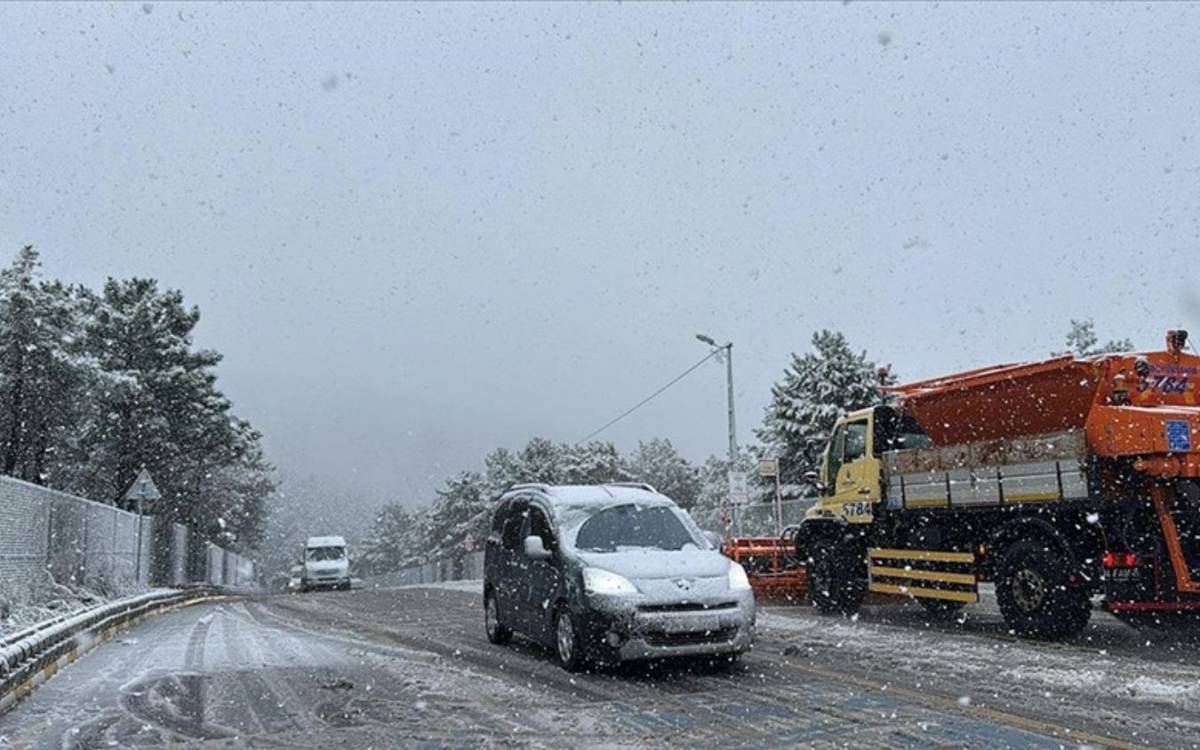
{"x":566,"y":642}
{"x":496,"y":632}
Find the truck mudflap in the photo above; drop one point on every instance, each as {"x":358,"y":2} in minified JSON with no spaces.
{"x":928,"y":574}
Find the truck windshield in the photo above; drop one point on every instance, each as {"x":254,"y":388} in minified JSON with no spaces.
{"x":631,"y":526}
{"x":322,"y":554}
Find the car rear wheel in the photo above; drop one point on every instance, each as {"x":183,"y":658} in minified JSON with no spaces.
{"x":566,"y":642}
{"x":496,"y":632}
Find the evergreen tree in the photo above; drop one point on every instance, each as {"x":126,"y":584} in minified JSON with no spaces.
{"x":161,"y":409}
{"x":816,"y":389}
{"x":1082,"y":340}
{"x":540,"y":461}
{"x":96,"y":386}
{"x":596,"y":462}
{"x":392,"y":542}
{"x":44,"y":372}
{"x":462,"y":509}
{"x":503,"y":470}
{"x":659,"y":464}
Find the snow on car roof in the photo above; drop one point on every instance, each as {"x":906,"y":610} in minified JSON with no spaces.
{"x":325,"y":541}
{"x":581,"y":495}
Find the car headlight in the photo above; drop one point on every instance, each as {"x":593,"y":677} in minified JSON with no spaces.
{"x":737,"y":578}
{"x":598,"y":581}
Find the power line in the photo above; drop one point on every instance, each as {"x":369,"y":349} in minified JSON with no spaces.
{"x":649,"y":398}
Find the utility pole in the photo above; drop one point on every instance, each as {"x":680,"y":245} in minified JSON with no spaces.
{"x":727,"y":351}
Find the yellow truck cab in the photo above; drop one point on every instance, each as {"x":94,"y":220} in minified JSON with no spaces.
{"x":850,"y":483}
{"x":850,"y":472}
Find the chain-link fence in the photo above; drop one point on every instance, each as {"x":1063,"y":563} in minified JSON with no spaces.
{"x":49,"y":537}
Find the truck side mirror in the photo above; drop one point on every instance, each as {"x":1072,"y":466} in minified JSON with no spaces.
{"x":813,"y":478}
{"x":535,"y":549}
{"x":714,"y":539}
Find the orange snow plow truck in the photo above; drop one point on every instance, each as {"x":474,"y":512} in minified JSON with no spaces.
{"x":1055,"y":480}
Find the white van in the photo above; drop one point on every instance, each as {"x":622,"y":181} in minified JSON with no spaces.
{"x":326,"y":565}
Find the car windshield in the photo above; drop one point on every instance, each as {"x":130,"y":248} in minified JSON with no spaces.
{"x":321,"y":554}
{"x":616,"y":529}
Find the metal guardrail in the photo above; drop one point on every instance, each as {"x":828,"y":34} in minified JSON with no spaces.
{"x":31,"y":656}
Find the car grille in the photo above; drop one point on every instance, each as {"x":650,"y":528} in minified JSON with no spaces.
{"x":690,"y":638}
{"x":687,"y":607}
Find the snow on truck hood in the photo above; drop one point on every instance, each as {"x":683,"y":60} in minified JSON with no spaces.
{"x":645,"y":564}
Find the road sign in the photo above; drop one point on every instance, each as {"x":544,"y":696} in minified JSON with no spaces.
{"x":143,"y":488}
{"x":739,"y":491}
{"x":768,"y":467}
{"x":141,"y":492}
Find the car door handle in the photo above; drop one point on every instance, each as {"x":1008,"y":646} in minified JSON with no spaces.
{"x":865,"y":491}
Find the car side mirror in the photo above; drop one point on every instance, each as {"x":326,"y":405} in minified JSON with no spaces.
{"x":714,"y":539}
{"x":535,"y":549}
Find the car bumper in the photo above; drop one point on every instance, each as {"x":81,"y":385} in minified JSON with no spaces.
{"x":326,"y":583}
{"x":617,"y":629}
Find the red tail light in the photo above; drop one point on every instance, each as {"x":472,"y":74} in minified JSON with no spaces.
{"x":1120,"y":560}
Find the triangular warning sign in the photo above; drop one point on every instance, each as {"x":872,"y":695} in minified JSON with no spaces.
{"x":143,"y":488}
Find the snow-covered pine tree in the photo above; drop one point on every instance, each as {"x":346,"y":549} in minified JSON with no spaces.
{"x":161,"y":409}
{"x":462,"y":509}
{"x":1082,"y":340}
{"x":595,"y":462}
{"x":817,"y":388}
{"x":540,"y":461}
{"x":44,"y":372}
{"x":392,"y":542}
{"x":658,"y":463}
{"x":502,"y":469}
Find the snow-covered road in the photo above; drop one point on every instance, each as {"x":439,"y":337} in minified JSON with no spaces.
{"x":410,"y":667}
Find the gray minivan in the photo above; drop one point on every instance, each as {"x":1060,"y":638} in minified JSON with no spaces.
{"x":608,"y":573}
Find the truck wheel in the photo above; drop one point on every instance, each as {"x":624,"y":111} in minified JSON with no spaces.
{"x":833,"y":581}
{"x":496,"y":632}
{"x":941,"y":609}
{"x":1034,"y":595}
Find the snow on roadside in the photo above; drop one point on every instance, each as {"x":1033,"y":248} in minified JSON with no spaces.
{"x":27,"y":615}
{"x":471,"y":586}
{"x":1033,"y":666}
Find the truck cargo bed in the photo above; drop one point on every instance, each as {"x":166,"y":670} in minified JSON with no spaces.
{"x":1035,"y":468}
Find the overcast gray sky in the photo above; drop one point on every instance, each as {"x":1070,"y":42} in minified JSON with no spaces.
{"x":421,"y":231}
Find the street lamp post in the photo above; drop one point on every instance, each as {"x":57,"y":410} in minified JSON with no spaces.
{"x":727,"y":349}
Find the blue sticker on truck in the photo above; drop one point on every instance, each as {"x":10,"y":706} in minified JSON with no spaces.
{"x":1179,"y":436}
